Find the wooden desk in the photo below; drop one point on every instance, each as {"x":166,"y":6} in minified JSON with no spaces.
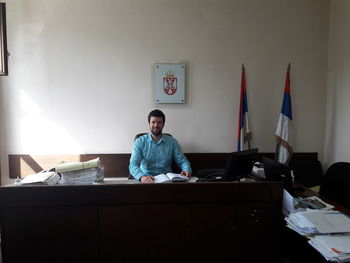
{"x":178,"y":222}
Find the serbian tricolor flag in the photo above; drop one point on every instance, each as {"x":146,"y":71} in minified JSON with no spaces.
{"x":284,"y":150}
{"x":244,"y":135}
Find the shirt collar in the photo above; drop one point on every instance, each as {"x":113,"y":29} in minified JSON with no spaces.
{"x":150,"y":138}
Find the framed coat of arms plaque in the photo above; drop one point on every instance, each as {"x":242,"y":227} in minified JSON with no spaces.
{"x":169,"y":83}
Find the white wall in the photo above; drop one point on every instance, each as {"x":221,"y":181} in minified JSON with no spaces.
{"x":338,"y":92}
{"x":81,"y":76}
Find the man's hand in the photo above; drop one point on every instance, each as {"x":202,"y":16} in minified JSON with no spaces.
{"x":147,"y":179}
{"x":188,"y":174}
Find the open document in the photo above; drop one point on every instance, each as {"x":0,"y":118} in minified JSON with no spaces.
{"x":42,"y":178}
{"x":170,"y":177}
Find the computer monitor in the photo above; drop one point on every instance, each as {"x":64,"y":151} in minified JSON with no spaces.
{"x":239,"y":165}
{"x":276,"y":171}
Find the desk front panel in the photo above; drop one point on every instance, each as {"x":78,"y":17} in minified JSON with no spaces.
{"x":49,"y":234}
{"x":150,"y":223}
{"x":189,"y":233}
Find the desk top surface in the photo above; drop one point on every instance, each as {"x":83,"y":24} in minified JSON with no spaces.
{"x":307,"y":192}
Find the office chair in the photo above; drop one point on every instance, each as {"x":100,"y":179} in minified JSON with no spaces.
{"x":335,"y":183}
{"x":307,"y":172}
{"x":130,"y":177}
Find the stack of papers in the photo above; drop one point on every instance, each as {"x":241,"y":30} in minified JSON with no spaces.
{"x":333,"y":247}
{"x":314,"y":222}
{"x":76,"y":166}
{"x":42,"y":178}
{"x":80,"y":172}
{"x":86,"y":176}
{"x":328,"y":230}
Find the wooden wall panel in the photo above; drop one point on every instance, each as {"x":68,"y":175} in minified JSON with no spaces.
{"x":117,"y":165}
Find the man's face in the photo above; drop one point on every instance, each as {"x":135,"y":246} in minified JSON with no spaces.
{"x":156,"y":125}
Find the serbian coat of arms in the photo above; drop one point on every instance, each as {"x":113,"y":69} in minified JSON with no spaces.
{"x":169,"y":79}
{"x":170,"y":83}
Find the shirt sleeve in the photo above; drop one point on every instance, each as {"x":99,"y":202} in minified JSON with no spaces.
{"x":135,"y":161}
{"x":180,"y":158}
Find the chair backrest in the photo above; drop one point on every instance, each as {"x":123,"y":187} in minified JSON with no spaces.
{"x":335,"y":184}
{"x":307,"y":172}
{"x":143,"y":133}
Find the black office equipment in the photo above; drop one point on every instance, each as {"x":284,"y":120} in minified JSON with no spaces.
{"x":276,"y":171}
{"x":239,"y":165}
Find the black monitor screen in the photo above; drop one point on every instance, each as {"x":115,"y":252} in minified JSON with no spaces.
{"x":240,"y":164}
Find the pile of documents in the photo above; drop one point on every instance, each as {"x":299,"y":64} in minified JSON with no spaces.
{"x":42,"y":178}
{"x":318,"y":222}
{"x":80,"y":172}
{"x":328,"y":230}
{"x":333,"y":247}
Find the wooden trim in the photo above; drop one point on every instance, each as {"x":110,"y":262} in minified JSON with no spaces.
{"x":3,"y":41}
{"x":117,"y":165}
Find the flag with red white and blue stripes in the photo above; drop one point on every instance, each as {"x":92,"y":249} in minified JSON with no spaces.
{"x":244,"y":135}
{"x":284,"y":150}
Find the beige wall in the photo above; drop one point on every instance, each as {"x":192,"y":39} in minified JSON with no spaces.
{"x":81,"y":72}
{"x":337,"y":145}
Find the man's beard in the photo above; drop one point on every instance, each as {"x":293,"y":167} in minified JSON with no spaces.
{"x":156,"y":133}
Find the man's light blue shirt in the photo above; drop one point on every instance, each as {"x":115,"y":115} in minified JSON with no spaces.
{"x":151,"y":158}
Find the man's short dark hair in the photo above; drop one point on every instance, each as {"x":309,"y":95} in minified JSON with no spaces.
{"x":156,"y":113}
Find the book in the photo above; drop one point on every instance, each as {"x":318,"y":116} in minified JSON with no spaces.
{"x":170,"y":177}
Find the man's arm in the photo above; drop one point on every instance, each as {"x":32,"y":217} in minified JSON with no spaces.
{"x":181,"y":159}
{"x":135,"y":161}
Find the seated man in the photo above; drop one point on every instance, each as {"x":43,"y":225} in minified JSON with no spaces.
{"x":153,"y":153}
